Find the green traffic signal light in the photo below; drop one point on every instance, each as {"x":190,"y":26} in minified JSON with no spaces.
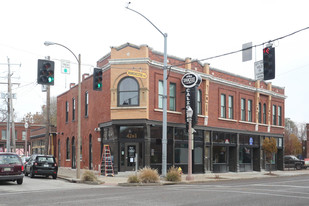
{"x":45,"y":74}
{"x":97,"y":79}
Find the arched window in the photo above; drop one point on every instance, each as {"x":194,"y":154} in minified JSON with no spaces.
{"x":128,"y":92}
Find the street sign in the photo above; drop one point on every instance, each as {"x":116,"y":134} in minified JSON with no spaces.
{"x":6,"y":95}
{"x":65,"y":66}
{"x":247,"y":52}
{"x":259,"y":70}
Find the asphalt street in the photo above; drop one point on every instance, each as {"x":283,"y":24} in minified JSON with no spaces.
{"x":269,"y":191}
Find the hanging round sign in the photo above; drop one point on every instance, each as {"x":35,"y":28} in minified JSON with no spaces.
{"x":189,"y":80}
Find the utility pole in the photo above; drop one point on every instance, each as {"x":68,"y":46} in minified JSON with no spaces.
{"x":47,"y":117}
{"x":8,"y":128}
{"x":10,"y":111}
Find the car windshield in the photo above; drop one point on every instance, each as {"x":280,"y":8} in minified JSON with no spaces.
{"x":45,"y":159}
{"x":9,"y":159}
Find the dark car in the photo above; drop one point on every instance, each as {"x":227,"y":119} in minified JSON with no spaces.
{"x":11,"y":167}
{"x":41,"y":165}
{"x":291,"y":161}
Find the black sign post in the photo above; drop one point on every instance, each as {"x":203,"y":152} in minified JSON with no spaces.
{"x":191,"y":81}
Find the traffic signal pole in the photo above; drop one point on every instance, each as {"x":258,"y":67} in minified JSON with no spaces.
{"x":47,"y":118}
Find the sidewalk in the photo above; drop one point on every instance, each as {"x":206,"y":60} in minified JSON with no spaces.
{"x":69,"y":174}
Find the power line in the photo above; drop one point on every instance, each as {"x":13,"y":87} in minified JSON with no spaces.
{"x":240,"y":50}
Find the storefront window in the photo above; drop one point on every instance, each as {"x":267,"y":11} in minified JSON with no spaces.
{"x":244,"y":154}
{"x":219,"y":155}
{"x":181,"y":153}
{"x":248,"y":139}
{"x":180,"y":134}
{"x":225,"y":138}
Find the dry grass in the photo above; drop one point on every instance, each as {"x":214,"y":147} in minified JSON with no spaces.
{"x":173,"y":175}
{"x":89,"y":176}
{"x":148,"y":175}
{"x":133,"y":179}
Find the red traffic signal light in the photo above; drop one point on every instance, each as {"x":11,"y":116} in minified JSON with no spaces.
{"x":269,"y":63}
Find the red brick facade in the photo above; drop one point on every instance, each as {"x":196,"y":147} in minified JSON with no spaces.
{"x":20,"y":141}
{"x":106,"y":113}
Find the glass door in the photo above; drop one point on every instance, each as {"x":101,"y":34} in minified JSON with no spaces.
{"x":131,"y":149}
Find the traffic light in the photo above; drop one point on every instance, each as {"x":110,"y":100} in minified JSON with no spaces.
{"x":46,"y":72}
{"x":269,"y":62}
{"x":97,"y":79}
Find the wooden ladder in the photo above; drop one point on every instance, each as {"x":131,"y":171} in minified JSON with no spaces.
{"x":107,"y":168}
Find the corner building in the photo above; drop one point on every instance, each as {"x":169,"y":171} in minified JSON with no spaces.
{"x":235,"y":114}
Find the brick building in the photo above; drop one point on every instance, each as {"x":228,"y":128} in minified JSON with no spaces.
{"x":21,"y":133}
{"x":38,"y":138}
{"x":235,"y":114}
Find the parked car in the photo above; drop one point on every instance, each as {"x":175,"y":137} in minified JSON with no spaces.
{"x":11,"y":167}
{"x":42,"y":165}
{"x":24,"y":160}
{"x":306,"y":162}
{"x":291,"y":161}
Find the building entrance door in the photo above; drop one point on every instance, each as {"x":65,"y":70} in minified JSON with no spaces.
{"x":130,"y":150}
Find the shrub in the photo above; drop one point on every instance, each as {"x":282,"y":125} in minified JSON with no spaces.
{"x":133,"y":179}
{"x":173,"y":175}
{"x":148,"y":175}
{"x":89,"y":176}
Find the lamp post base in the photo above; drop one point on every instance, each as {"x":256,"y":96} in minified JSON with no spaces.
{"x":189,"y":178}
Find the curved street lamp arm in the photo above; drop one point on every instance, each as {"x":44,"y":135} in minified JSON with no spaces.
{"x":164,"y":34}
{"x":69,"y":50}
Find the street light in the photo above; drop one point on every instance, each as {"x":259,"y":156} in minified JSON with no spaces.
{"x":48,"y":43}
{"x":164,"y":126}
{"x":189,"y":120}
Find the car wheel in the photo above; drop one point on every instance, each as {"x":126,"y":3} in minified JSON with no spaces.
{"x":298,"y":166}
{"x":55,"y":176}
{"x":26,"y":173}
{"x":31,"y":173}
{"x":20,"y":181}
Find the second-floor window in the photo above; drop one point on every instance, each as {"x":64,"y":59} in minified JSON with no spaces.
{"x":3,"y":134}
{"x":260,"y":113}
{"x":160,"y":94}
{"x":249,"y":110}
{"x":128,"y":92}
{"x":264,"y":113}
{"x":86,"y":104}
{"x":66,"y":111}
{"x":172,"y":96}
{"x":223,"y":106}
{"x":274,"y":115}
{"x":231,"y":104}
{"x":243,"y":109}
{"x":199,"y":102}
{"x":73,"y":109}
{"x":24,"y":135}
{"x":279,"y":116}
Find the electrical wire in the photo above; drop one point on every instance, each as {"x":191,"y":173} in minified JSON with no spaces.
{"x":240,"y":50}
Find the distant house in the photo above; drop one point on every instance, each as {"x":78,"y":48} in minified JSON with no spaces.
{"x":21,"y":133}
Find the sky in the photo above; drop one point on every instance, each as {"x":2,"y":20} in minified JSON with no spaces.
{"x":197,"y":29}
